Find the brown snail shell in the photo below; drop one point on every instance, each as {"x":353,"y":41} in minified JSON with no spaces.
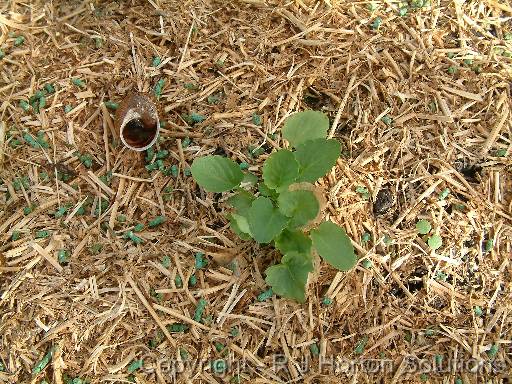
{"x":137,"y":122}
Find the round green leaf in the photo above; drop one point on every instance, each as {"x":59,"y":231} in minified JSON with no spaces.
{"x":304,"y":126}
{"x":293,"y":241}
{"x":265,"y":221}
{"x":289,"y":277}
{"x":280,"y":169}
{"x":435,"y":242}
{"x":239,"y":225}
{"x":301,"y":206}
{"x":241,"y":201}
{"x":423,"y":227}
{"x":216,"y":173}
{"x":334,"y":246}
{"x":316,"y":158}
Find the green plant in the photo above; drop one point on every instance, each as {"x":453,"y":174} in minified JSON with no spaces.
{"x":282,"y":209}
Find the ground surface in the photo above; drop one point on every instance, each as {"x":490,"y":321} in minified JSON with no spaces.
{"x":419,"y":98}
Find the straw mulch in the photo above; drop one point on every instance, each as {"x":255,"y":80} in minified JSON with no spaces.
{"x":419,"y":96}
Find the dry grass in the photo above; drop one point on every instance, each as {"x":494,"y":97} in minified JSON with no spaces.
{"x":409,"y":127}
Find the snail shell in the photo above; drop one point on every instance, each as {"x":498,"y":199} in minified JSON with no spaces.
{"x":137,"y":122}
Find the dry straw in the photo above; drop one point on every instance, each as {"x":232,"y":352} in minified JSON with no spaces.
{"x":418,"y":94}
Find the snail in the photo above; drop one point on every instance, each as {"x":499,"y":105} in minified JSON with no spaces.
{"x":137,"y":122}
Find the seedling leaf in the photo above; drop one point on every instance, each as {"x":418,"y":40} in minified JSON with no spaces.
{"x":265,"y":221}
{"x":304,"y":126}
{"x":301,"y":206}
{"x":216,"y":173}
{"x":316,"y":158}
{"x":293,"y":241}
{"x":289,"y":277}
{"x":435,"y":242}
{"x":266,"y":191}
{"x":423,"y":226}
{"x":333,"y":244}
{"x":241,"y":201}
{"x":235,"y":226}
{"x":280,"y":169}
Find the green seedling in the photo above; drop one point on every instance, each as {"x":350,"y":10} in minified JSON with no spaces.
{"x":159,"y":87}
{"x":367,"y":263}
{"x":79,"y":83}
{"x":177,"y":328}
{"x":95,"y":248}
{"x":243,"y":165}
{"x":359,"y":349}
{"x":68,"y":108}
{"x":49,"y":88}
{"x":138,"y":228}
{"x":423,"y":227}
{"x":186,"y":142}
{"x":111,"y":105}
{"x":219,"y":366}
{"x":63,"y":256}
{"x":477,"y":311}
{"x":441,"y":276}
{"x":19,"y":41}
{"x":489,"y":245}
{"x":493,"y":351}
{"x":376,"y":23}
{"x":501,"y":152}
{"x":156,"y":61}
{"x":61,"y":211}
{"x":183,"y":353}
{"x":166,"y":261}
{"x":2,"y":54}
{"x":201,"y":305}
{"x":178,"y":281}
{"x":219,"y":346}
{"x":313,"y":348}
{"x":264,"y":296}
{"x":15,"y":235}
{"x":386,"y":119}
{"x":452,"y":70}
{"x":157,"y":221}
{"x":160,"y":155}
{"x":201,"y":262}
{"x":43,"y":234}
{"x":41,"y":365}
{"x":326,"y":301}
{"x":365,"y":238}
{"x":106,"y":178}
{"x":190,"y":87}
{"x":363,"y":191}
{"x":85,"y":159}
{"x":21,"y":182}
{"x":121,"y":218}
{"x":192,"y":281}
{"x":24,"y":105}
{"x":444,"y":194}
{"x":134,"y":238}
{"x":194,"y":118}
{"x":435,"y":242}
{"x":234,"y":331}
{"x":286,"y":206}
{"x":135,"y":365}
{"x":213,"y":99}
{"x":256,"y":119}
